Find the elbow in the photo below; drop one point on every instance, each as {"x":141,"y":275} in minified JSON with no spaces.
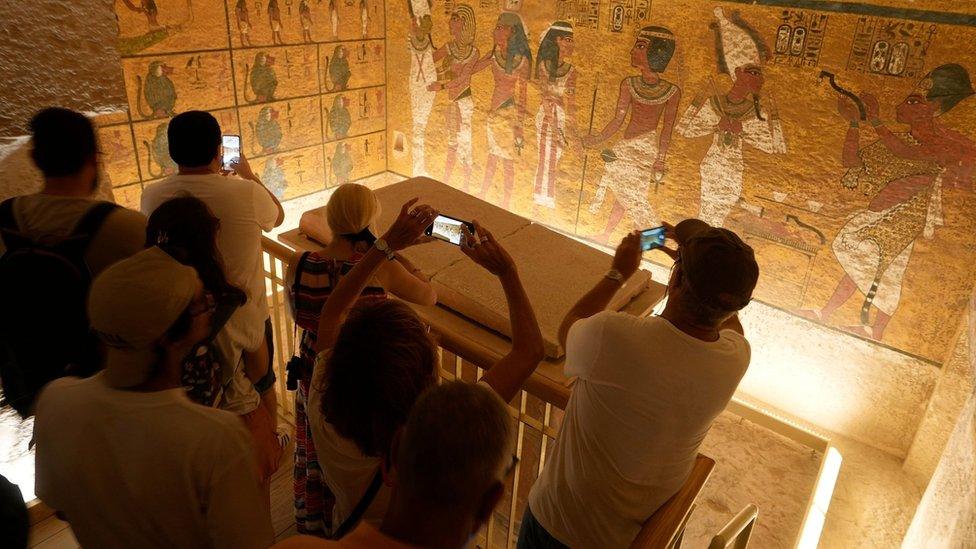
{"x":430,"y":299}
{"x":535,"y":350}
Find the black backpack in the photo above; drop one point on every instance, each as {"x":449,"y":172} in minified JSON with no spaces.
{"x":44,"y":328}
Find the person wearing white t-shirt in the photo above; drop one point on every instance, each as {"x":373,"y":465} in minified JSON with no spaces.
{"x":124,"y":455}
{"x":646,"y":393}
{"x":245,"y":208}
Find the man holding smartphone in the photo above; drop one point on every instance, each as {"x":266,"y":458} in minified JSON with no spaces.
{"x":245,"y":209}
{"x":646,"y":393}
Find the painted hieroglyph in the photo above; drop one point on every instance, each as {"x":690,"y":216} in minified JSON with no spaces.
{"x":302,"y":82}
{"x":837,"y":141}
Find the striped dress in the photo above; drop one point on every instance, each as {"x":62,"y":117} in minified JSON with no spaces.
{"x":315,"y":277}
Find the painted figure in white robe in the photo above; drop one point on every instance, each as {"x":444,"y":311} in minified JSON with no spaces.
{"x":555,"y":123}
{"x":511,"y":67}
{"x":734,"y":119}
{"x":639,"y":158}
{"x":456,"y":60}
{"x":423,"y":72}
{"x":364,"y":17}
{"x":904,"y":174}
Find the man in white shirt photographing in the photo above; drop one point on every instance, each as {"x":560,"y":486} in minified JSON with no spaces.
{"x":647,"y":392}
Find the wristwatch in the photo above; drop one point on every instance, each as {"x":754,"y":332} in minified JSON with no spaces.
{"x":615,"y":275}
{"x":382,"y":246}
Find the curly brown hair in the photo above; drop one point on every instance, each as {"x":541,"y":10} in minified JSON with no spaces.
{"x":383,"y":359}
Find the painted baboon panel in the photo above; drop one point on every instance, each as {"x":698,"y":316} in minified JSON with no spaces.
{"x":163,"y":86}
{"x":117,"y":157}
{"x":355,"y":158}
{"x":283,"y":125}
{"x":735,"y":113}
{"x":271,"y":69}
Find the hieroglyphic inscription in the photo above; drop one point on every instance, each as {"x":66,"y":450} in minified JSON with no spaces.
{"x":583,"y":13}
{"x":800,"y":38}
{"x":890,"y":47}
{"x":627,"y":14}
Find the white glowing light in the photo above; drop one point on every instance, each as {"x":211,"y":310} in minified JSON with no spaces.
{"x":813,"y":523}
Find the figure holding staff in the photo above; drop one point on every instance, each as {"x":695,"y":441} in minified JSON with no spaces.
{"x":556,"y":120}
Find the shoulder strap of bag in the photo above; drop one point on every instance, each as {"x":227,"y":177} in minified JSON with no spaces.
{"x":93,"y":219}
{"x":9,"y":232}
{"x":360,"y":509}
{"x":7,"y":221}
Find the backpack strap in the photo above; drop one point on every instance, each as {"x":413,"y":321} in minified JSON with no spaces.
{"x":7,"y":221}
{"x":361,"y":507}
{"x":10,"y":233}
{"x":93,"y":219}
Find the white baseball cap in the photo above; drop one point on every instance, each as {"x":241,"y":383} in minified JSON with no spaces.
{"x":132,"y":304}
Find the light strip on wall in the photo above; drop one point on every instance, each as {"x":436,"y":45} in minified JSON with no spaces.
{"x":813,"y":523}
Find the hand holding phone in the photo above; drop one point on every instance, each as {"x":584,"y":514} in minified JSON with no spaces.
{"x":652,"y":238}
{"x":232,"y":151}
{"x":448,"y":229}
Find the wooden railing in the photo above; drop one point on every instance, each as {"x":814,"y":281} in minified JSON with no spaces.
{"x":538,"y":409}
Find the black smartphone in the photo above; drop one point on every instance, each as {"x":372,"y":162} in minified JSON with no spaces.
{"x":652,"y":238}
{"x":232,"y":151}
{"x":448,"y":229}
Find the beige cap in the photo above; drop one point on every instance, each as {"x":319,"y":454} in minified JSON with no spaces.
{"x":132,"y":304}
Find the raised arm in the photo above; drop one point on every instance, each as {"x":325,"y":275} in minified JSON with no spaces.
{"x":243,"y":168}
{"x":508,"y":374}
{"x":625,"y":261}
{"x":407,"y":282}
{"x":623,"y":107}
{"x":408,"y":227}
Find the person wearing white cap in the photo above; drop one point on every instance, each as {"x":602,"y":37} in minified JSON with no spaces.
{"x":124,"y":455}
{"x":732,"y":119}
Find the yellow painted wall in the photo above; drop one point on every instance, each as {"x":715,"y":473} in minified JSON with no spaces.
{"x":804,"y":202}
{"x":208,"y":52}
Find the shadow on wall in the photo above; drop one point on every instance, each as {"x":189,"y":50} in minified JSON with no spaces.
{"x":57,"y":53}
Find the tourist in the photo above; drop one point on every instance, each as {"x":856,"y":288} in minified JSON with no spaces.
{"x":124,"y":455}
{"x":351,"y":216}
{"x":245,"y":208}
{"x":53,"y":243}
{"x":186,"y":229}
{"x":376,"y":359}
{"x":646,"y":393}
{"x":447,"y":470}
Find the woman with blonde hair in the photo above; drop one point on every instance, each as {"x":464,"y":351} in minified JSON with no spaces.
{"x":351,"y":215}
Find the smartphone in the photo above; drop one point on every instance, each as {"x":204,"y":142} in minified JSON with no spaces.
{"x":232,"y":150}
{"x":652,"y":238}
{"x":448,"y":229}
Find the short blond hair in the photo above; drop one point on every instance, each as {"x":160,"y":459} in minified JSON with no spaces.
{"x":352,"y":208}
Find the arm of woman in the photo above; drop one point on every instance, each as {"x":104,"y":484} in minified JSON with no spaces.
{"x":405,"y":281}
{"x":408,"y":227}
{"x":508,"y":374}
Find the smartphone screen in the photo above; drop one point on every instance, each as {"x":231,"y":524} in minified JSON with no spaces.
{"x":232,"y":150}
{"x":652,"y":238}
{"x":448,"y":229}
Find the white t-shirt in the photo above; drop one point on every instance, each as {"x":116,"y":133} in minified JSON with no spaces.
{"x":245,"y":209}
{"x":346,"y":470}
{"x":48,"y":219}
{"x":645,"y":398}
{"x":146,"y":469}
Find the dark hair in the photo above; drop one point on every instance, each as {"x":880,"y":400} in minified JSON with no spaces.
{"x":549,"y":49}
{"x":518,"y":42}
{"x":659,"y":50}
{"x":194,"y":138}
{"x":63,"y":141}
{"x":185,"y":228}
{"x":382,"y":361}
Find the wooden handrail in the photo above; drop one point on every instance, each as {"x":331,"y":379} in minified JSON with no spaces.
{"x":665,"y":527}
{"x":737,"y":532}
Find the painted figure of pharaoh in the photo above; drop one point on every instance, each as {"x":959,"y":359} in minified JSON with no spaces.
{"x":305,"y":18}
{"x":733,"y":119}
{"x":243,"y":22}
{"x":456,"y":60}
{"x":423,"y":72}
{"x":511,"y":67}
{"x":905,"y":174}
{"x":555,"y":123}
{"x":639,"y":157}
